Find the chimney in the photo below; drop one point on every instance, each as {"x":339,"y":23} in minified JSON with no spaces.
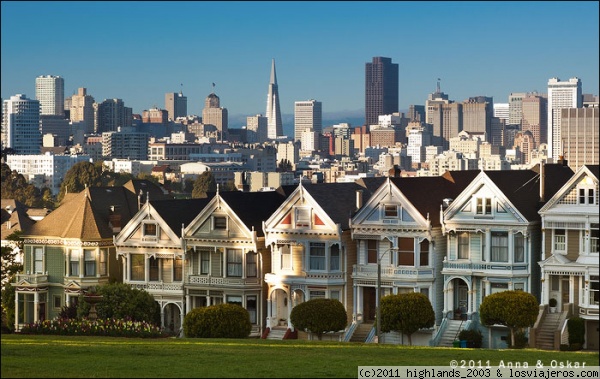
{"x":542,"y":182}
{"x":114,"y":218}
{"x":359,"y":199}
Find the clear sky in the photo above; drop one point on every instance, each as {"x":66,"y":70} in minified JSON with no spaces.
{"x":138,"y":51}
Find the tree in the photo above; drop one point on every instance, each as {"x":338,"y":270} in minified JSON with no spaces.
{"x":204,"y":183}
{"x":81,"y":175}
{"x":513,"y":309}
{"x":10,"y":253}
{"x":15,"y":186}
{"x":406,"y":313}
{"x":284,"y":166}
{"x":319,"y":316}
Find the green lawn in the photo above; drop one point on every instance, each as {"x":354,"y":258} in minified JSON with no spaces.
{"x":29,"y":356}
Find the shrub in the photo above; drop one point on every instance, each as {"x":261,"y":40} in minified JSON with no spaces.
{"x":564,"y":347}
{"x":85,"y":327}
{"x":319,"y":316}
{"x":473,"y":337}
{"x":576,"y":328}
{"x":217,"y":321}
{"x":552,"y":302}
{"x":406,"y":313}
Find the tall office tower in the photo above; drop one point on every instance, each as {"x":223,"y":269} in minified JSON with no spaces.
{"x":81,"y":112}
{"x":273,"y":114}
{"x":502,"y":111}
{"x":416,"y":113}
{"x":525,"y":143}
{"x":438,"y":97}
{"x":419,"y":136}
{"x":21,"y":125}
{"x":477,"y":115}
{"x":176,"y":104}
{"x":50,"y":91}
{"x":111,"y":115}
{"x":496,"y":136}
{"x":258,"y":126}
{"x":381,"y":89}
{"x":579,"y":130}
{"x":447,"y":123}
{"x":560,"y":95}
{"x":535,"y":117}
{"x":213,"y":114}
{"x":308,"y":117}
{"x":515,"y":108}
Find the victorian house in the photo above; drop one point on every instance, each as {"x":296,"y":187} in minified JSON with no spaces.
{"x":312,"y":250}
{"x":569,"y":262}
{"x":72,"y":249}
{"x":494,"y":242}
{"x":398,"y":230}
{"x":226,"y":256}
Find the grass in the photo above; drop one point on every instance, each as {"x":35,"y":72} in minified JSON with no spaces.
{"x":29,"y":356}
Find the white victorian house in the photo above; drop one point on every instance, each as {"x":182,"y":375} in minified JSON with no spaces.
{"x":312,"y":250}
{"x":570,"y":259}
{"x":494,"y":242}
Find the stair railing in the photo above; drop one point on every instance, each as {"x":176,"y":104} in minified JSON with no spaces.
{"x":350,"y":331}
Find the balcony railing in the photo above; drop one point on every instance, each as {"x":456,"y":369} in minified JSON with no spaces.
{"x":33,"y":279}
{"x":484,"y":266}
{"x":370,"y":271}
{"x":158,"y":287}
{"x":220,"y":281}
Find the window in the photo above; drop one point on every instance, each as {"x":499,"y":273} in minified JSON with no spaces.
{"x":57,"y":300}
{"x":286,"y":257}
{"x":220,"y":222}
{"x":390,"y":211}
{"x":178,"y":269}
{"x":372,"y":251}
{"x":89,"y":257}
{"x":594,"y":238}
{"x":251,"y":308}
{"x":554,"y":283}
{"x":153,"y":268}
{"x":519,"y":247}
{"x":406,"y":252}
{"x":38,"y":260}
{"x":498,"y":287}
{"x":463,"y":245}
{"x":499,"y":247}
{"x":335,"y":295}
{"x":519,"y":286}
{"x":102,"y":268}
{"x":594,"y":290}
{"x":74,"y":263}
{"x":560,"y":240}
{"x":334,"y":258}
{"x":251,"y":270}
{"x":204,"y":262}
{"x":424,"y":253}
{"x":234,"y":300}
{"x":587,"y":196}
{"x":302,"y":217}
{"x":150,"y":230}
{"x":137,"y":267}
{"x":234,"y":263}
{"x":317,"y":256}
{"x":317,"y":295}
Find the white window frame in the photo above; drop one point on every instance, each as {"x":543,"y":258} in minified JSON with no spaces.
{"x":302,"y":217}
{"x":559,"y":245}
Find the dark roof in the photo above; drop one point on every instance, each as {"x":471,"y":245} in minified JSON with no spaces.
{"x":180,"y":211}
{"x":556,"y":175}
{"x":253,"y":207}
{"x":156,"y":191}
{"x":14,"y":217}
{"x":593,"y":168}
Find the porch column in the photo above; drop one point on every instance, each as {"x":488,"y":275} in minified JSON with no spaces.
{"x":16,"y":309}
{"x":188,"y":304}
{"x":36,"y":304}
{"x":269,"y":312}
{"x":208,"y":300}
{"x":488,"y":245}
{"x":146,"y":268}
{"x":471,"y":302}
{"x":127,"y":264}
{"x":511,"y":247}
{"x":545,"y":287}
{"x":355,"y":302}
{"x":162,"y":316}
{"x":572,"y":289}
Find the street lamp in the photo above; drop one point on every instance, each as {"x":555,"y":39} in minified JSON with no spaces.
{"x":378,"y":293}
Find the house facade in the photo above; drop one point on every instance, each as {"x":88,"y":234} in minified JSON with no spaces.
{"x":569,"y":264}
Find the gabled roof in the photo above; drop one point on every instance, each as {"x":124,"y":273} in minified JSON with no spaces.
{"x":557,"y":174}
{"x":552,"y":199}
{"x":253,"y":207}
{"x":156,"y":191}
{"x":86,"y":215}
{"x":14,"y":217}
{"x":180,"y":211}
{"x":338,"y":200}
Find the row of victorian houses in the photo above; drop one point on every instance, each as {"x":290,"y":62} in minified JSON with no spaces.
{"x":455,"y":238}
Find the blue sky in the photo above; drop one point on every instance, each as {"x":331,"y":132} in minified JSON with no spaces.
{"x":138,"y":51}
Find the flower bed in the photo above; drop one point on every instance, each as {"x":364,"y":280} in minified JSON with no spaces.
{"x":86,"y":327}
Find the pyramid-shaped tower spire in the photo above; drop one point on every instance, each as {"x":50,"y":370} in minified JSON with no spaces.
{"x":273,"y":74}
{"x":273,"y":114}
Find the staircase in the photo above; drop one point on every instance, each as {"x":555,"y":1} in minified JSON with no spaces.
{"x":361,"y":332}
{"x":451,"y":333}
{"x":544,"y":338}
{"x":276,"y":333}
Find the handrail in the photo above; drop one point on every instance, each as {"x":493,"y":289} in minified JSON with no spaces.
{"x":435,"y":341}
{"x":459,"y":330}
{"x":371,"y":335}
{"x":350,"y":331}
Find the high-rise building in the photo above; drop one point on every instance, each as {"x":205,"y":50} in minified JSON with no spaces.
{"x":111,"y":115}
{"x":21,"y":125}
{"x":81,"y":111}
{"x":50,"y":92}
{"x":381,"y":89}
{"x":579,"y":130}
{"x":515,"y":108}
{"x":502,"y":111}
{"x":561,"y":94}
{"x":176,"y":104}
{"x":213,"y":114}
{"x":535,"y":117}
{"x":308,"y":117}
{"x":477,"y":115}
{"x":273,"y":114}
{"x":257,"y":125}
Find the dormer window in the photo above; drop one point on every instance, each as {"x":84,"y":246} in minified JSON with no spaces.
{"x":484,"y":206}
{"x":390,"y":211}
{"x":150,"y":230}
{"x":219,"y":222}
{"x":302,"y":217}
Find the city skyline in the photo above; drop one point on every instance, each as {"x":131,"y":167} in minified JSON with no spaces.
{"x":475,"y":48}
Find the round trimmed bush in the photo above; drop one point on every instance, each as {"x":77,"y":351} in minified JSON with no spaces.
{"x":319,"y":316}
{"x":217,"y":321}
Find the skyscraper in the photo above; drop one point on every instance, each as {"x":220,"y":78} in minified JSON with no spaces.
{"x":112,"y":114}
{"x":21,"y":125}
{"x":307,"y":118}
{"x":381,"y":89}
{"x":50,"y":92}
{"x":176,"y":104}
{"x":273,"y":114}
{"x":560,"y":95}
{"x":82,"y":111}
{"x":213,"y":114}
{"x":579,"y":129}
{"x":535,"y":117}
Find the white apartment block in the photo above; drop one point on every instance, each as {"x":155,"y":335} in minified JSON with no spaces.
{"x":289,"y":151}
{"x":502,"y":111}
{"x":46,"y":170}
{"x":466,"y":144}
{"x":451,"y":161}
{"x":125,"y":144}
{"x":418,"y":139}
{"x":389,"y":120}
{"x":21,"y":125}
{"x":132,"y":167}
{"x":50,"y":92}
{"x":309,"y":141}
{"x":307,"y":118}
{"x":561,"y":94}
{"x":258,"y":125}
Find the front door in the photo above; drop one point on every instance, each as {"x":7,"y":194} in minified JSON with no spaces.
{"x":369,"y":303}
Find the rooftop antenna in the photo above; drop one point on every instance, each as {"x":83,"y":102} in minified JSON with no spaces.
{"x":213,"y":85}
{"x":438,"y":86}
{"x":181,"y":89}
